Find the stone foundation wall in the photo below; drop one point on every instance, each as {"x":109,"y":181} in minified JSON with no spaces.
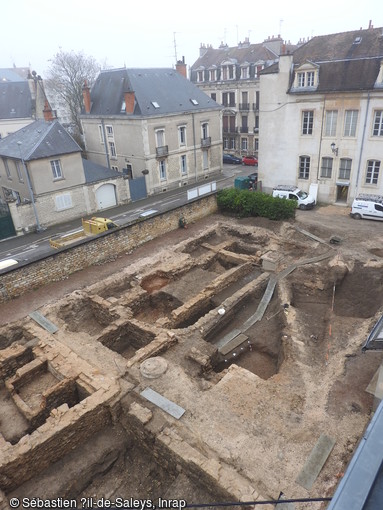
{"x":170,"y":450}
{"x":58,"y":266}
{"x":62,"y":433}
{"x":12,"y":359}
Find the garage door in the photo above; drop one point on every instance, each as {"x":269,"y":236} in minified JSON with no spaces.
{"x":106,"y":196}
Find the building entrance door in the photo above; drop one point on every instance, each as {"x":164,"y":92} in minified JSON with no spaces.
{"x":341,"y":194}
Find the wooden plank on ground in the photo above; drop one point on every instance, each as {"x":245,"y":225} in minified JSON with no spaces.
{"x":163,"y":403}
{"x":227,"y":338}
{"x":43,"y":322}
{"x":233,"y":344}
{"x":315,"y":461}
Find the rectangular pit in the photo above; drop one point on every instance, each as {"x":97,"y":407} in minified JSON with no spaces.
{"x":88,"y":315}
{"x":36,"y":390}
{"x":14,"y":334}
{"x":127,"y":339}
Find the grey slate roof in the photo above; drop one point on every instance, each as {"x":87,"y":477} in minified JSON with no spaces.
{"x":94,"y":172}
{"x":167,"y":87}
{"x":40,"y":139}
{"x":15,"y":100}
{"x":341,"y":46}
{"x":251,"y":53}
{"x":347,"y":61}
{"x":14,"y":74}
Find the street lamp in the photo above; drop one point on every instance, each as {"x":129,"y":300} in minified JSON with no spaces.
{"x":38,"y":226}
{"x":334,"y":149}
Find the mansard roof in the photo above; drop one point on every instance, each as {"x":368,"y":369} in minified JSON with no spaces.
{"x":157,"y":91}
{"x":347,"y":61}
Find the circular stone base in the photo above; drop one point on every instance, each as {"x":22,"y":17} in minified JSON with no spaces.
{"x":152,"y":368}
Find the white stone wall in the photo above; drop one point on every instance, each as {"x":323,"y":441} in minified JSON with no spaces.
{"x":135,"y":142}
{"x":282,"y":141}
{"x":83,"y":203}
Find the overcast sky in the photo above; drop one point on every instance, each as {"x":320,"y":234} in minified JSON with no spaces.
{"x":148,"y":33}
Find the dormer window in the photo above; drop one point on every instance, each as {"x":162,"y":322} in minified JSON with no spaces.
{"x":301,"y":79}
{"x":200,"y":76}
{"x":379,"y":79}
{"x":212,"y":75}
{"x":244,"y":72}
{"x":306,"y":77}
{"x":228,"y":72}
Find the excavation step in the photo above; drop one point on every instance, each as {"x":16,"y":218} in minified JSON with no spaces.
{"x":163,"y":403}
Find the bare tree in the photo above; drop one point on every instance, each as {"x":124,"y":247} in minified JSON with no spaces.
{"x":65,"y":79}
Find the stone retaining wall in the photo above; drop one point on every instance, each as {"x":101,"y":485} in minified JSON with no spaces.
{"x":60,"y":265}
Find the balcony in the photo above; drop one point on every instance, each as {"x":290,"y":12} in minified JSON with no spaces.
{"x":162,"y":151}
{"x":244,"y":107}
{"x":244,"y":129}
{"x":230,"y":130}
{"x":255,"y":107}
{"x":206,"y":142}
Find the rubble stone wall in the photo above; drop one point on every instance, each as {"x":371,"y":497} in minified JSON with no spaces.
{"x":32,"y":455}
{"x":92,"y":251}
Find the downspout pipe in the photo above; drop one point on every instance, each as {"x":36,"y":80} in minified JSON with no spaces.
{"x":362,"y":145}
{"x":105,"y":143}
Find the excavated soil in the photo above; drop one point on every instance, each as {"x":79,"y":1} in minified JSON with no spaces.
{"x":308,"y":374}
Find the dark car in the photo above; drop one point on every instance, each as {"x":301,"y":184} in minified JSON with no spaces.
{"x":232,"y":160}
{"x":249,"y":161}
{"x":253,"y":177}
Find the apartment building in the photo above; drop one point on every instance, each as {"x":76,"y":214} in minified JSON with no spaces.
{"x":322,"y":117}
{"x":230,"y":76}
{"x":154,"y":126}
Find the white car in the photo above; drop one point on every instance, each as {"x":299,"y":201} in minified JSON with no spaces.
{"x":367,"y":206}
{"x":303,"y":199}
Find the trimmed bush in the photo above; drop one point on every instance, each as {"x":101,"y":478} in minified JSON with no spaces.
{"x":254,"y":203}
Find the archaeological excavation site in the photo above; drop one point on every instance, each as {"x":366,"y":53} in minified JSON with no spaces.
{"x":208,"y":371}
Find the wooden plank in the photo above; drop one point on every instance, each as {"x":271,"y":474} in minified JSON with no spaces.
{"x":43,"y":322}
{"x":227,"y":338}
{"x":163,"y":403}
{"x":315,"y":461}
{"x":234,"y":343}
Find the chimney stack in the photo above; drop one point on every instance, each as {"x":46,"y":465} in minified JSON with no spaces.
{"x":181,"y":67}
{"x":129,"y":98}
{"x":86,"y":97}
{"x":48,"y":114}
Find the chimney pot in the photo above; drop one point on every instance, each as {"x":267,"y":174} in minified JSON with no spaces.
{"x":181,"y":67}
{"x":129,"y":98}
{"x":48,"y":113}
{"x":86,"y":97}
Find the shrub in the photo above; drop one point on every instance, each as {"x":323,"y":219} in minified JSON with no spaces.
{"x":254,"y":203}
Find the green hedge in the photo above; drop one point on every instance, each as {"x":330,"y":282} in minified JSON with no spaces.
{"x":254,"y":203}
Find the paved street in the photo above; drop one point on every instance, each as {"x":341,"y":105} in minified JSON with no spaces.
{"x":36,"y":245}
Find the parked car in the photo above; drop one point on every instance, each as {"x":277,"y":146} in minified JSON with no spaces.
{"x":232,"y":160}
{"x":367,"y":206}
{"x":253,"y":177}
{"x":249,"y":161}
{"x":303,"y":199}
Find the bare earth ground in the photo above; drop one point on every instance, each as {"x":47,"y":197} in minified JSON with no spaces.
{"x":323,"y":369}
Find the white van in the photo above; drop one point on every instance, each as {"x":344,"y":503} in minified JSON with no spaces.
{"x":304,"y":200}
{"x":367,"y":206}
